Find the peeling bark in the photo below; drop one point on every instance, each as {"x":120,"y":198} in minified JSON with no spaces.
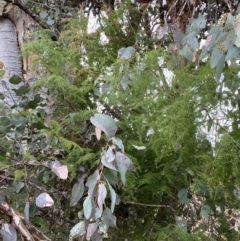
{"x":9,"y":55}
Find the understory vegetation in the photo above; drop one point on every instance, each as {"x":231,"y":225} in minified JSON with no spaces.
{"x":126,"y":137}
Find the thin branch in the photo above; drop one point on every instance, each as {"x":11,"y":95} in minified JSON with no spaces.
{"x":147,"y":205}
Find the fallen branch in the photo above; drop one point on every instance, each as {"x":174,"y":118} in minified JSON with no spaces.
{"x":26,"y":229}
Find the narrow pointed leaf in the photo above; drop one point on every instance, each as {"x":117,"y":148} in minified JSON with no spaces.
{"x":77,"y":192}
{"x":102,"y":193}
{"x":92,"y":227}
{"x":87,"y":207}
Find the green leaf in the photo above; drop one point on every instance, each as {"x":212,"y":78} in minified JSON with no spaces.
{"x":87,"y":207}
{"x":15,"y":80}
{"x":123,"y":164}
{"x":77,"y":192}
{"x":216,"y":56}
{"x":105,"y":123}
{"x":182,"y":196}
{"x":206,"y":211}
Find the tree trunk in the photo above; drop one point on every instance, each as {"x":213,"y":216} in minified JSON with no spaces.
{"x":9,"y":55}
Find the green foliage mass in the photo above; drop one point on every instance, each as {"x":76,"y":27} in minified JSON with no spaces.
{"x":165,"y":109}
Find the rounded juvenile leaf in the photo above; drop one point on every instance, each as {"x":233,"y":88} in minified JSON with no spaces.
{"x":15,"y":80}
{"x":44,"y":200}
{"x":8,"y":232}
{"x":60,"y":170}
{"x":77,"y":192}
{"x":105,"y":123}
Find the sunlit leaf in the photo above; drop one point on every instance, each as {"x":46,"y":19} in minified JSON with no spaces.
{"x":102,"y":193}
{"x":105,"y":123}
{"x":77,"y":192}
{"x":78,"y":230}
{"x":60,"y":170}
{"x":139,"y":147}
{"x":44,"y":200}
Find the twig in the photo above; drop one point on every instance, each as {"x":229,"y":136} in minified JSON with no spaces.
{"x":147,"y":205}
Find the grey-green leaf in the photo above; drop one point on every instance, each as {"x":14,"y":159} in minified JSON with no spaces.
{"x":216,"y":56}
{"x":123,"y":164}
{"x":105,"y":123}
{"x":77,"y":192}
{"x":87,"y":207}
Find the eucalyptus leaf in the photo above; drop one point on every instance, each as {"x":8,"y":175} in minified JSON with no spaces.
{"x":105,"y":123}
{"x":77,"y":192}
{"x":124,"y":164}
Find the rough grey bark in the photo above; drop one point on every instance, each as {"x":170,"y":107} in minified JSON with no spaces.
{"x":9,"y":55}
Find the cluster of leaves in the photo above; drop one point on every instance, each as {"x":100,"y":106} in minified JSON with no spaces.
{"x":161,"y":105}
